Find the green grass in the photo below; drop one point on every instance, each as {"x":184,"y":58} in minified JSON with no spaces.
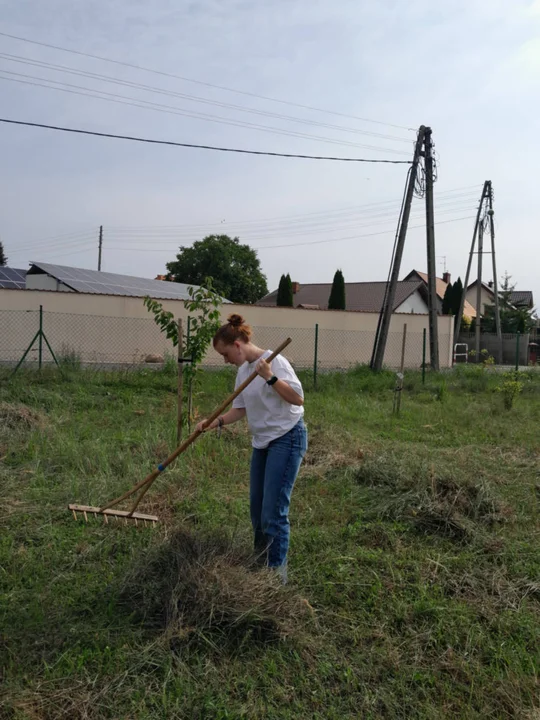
{"x":415,"y":539}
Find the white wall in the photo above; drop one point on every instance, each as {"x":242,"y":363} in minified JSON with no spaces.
{"x":415,"y":303}
{"x":41,"y":281}
{"x":486,"y":298}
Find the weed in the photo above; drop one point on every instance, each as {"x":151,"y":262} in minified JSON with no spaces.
{"x":510,"y":388}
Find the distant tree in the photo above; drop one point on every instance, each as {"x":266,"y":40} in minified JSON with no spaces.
{"x":285,"y":292}
{"x":3,"y":257}
{"x":457,"y":292}
{"x":234,"y":269}
{"x":448,"y":298}
{"x":336,"y":301}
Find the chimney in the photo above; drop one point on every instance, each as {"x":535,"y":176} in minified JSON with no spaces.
{"x":490,"y":283}
{"x":446,"y":278}
{"x":295,"y":287}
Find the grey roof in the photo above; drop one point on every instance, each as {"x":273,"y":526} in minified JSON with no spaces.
{"x":359,"y":297}
{"x":12,"y":278}
{"x":522,"y":298}
{"x":105,"y":283}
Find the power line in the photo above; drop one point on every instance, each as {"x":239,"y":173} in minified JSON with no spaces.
{"x":443,"y":196}
{"x":315,"y":242}
{"x":200,"y":82}
{"x":355,"y":237}
{"x":59,"y":245}
{"x":260,"y":233}
{"x":202,"y":147}
{"x":173,"y":110}
{"x":60,"y":240}
{"x":192,"y":98}
{"x":291,"y":220}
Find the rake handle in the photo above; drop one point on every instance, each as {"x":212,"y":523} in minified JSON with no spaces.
{"x":191,"y":439}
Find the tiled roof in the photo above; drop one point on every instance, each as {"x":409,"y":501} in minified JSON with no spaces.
{"x":522,"y":298}
{"x":359,"y":297}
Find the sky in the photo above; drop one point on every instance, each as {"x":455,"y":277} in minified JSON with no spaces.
{"x":373,"y":72}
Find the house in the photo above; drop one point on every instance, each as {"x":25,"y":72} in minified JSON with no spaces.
{"x":440,"y":288}
{"x":60,"y":278}
{"x":411,"y":297}
{"x":516,"y":298}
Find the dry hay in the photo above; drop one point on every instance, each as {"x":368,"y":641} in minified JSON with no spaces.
{"x":435,"y":502}
{"x":18,"y":417}
{"x":196,"y":587}
{"x":327,"y":453}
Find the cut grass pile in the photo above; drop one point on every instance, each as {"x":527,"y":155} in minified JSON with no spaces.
{"x":414,"y":567}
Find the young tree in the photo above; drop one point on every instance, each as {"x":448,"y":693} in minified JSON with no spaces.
{"x":235,"y":269}
{"x":336,"y":301}
{"x":205,"y":305}
{"x":3,"y":258}
{"x":285,"y":292}
{"x":447,"y":303}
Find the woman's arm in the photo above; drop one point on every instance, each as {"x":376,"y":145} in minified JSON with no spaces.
{"x":230,"y":417}
{"x":282,"y":387}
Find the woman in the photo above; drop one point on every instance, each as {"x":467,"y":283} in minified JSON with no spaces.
{"x":273,"y":405}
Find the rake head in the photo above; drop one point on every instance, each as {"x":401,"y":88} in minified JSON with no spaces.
{"x":118,"y":515}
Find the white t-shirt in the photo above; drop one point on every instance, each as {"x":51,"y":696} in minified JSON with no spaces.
{"x":268,"y":415}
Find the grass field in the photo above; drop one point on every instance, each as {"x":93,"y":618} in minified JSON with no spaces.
{"x":414,"y":565}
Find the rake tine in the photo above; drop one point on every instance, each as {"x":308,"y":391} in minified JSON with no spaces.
{"x":85,"y":516}
{"x":106,"y":519}
{"x":74,"y":514}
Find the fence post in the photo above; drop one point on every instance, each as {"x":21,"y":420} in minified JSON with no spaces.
{"x":190,"y":388}
{"x":517,"y":351}
{"x":316,"y":356}
{"x":424,"y":358}
{"x":180,"y":381}
{"x":399,"y":384}
{"x":40,"y":339}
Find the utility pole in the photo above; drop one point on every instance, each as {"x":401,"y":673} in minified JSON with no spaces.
{"x":479,"y":289}
{"x":430,"y":238}
{"x":495,"y":287}
{"x":100,"y":246}
{"x":467,"y":274}
{"x":385,"y":316}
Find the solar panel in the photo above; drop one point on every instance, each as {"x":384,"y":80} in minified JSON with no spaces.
{"x":12,"y":278}
{"x":105,"y":283}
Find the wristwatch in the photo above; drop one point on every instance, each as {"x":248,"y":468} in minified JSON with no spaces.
{"x":272,"y":380}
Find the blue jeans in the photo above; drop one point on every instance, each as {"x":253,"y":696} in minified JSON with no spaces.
{"x":272,"y":476}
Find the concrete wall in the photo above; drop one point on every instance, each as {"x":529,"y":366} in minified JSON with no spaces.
{"x":489,"y":342}
{"x":115,"y":329}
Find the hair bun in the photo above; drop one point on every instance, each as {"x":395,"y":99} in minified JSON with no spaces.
{"x":235,"y":320}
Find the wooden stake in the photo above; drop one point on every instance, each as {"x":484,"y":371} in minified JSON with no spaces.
{"x":180,"y":382}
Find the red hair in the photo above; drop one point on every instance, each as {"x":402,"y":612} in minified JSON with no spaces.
{"x":235,"y":329}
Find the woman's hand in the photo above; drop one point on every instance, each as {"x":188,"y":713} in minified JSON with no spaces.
{"x":202,"y":427}
{"x":264,"y":369}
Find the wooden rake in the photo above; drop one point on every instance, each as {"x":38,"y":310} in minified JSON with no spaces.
{"x":143,"y":486}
